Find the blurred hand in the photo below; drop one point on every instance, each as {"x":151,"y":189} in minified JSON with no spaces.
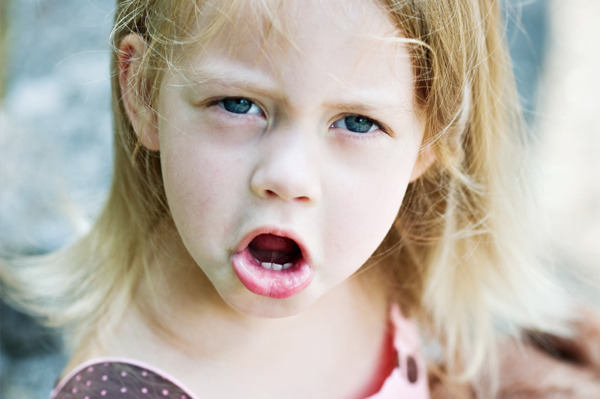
{"x":549,"y":367}
{"x":542,"y":367}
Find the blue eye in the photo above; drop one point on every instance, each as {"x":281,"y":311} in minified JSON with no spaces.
{"x":239,"y":105}
{"x":356,"y":124}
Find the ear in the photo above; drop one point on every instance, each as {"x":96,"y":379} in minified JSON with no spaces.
{"x":424,"y":161}
{"x":140,"y":113}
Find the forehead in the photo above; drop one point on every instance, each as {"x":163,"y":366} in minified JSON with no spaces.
{"x":291,"y":18}
{"x":351,"y":42}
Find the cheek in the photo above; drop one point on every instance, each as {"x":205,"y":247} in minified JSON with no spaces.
{"x":195,"y":177}
{"x":363,"y":209}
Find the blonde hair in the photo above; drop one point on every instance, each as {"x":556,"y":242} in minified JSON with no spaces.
{"x":463,"y":260}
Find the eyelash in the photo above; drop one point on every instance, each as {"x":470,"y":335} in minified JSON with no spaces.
{"x":364,"y":135}
{"x":379,"y":125}
{"x":218,"y":101}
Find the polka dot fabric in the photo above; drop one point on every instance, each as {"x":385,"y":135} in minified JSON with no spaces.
{"x":115,"y":379}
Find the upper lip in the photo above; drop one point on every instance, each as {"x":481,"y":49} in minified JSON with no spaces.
{"x":278,"y":231}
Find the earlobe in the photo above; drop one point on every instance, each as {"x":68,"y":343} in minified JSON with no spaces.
{"x":424,"y":161}
{"x":140,"y":112}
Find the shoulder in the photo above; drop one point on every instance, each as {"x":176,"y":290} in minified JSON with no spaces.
{"x":115,"y":377}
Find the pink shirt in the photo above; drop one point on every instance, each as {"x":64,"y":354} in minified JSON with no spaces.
{"x":108,"y":378}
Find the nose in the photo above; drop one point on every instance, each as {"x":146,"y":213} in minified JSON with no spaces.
{"x":287,"y":168}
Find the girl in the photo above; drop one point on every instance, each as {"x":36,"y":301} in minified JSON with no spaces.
{"x":292,"y":181}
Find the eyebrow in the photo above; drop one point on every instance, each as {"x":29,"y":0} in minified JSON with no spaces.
{"x":351,"y":100}
{"x":238,"y":77}
{"x":370,"y":103}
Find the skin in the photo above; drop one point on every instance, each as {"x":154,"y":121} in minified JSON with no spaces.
{"x":290,"y":164}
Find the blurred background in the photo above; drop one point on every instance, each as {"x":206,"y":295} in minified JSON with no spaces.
{"x":56,"y":127}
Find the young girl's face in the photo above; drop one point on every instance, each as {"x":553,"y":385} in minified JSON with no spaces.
{"x":289,"y":153}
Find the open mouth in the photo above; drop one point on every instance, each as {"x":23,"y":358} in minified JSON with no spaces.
{"x":274,"y":252}
{"x":273,"y":265}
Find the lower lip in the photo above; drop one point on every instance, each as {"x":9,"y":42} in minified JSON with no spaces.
{"x":278,"y":284}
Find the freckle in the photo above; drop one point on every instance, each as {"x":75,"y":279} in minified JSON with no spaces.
{"x":411,"y":370}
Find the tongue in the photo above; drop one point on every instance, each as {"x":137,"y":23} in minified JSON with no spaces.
{"x":274,"y":243}
{"x":272,"y":248}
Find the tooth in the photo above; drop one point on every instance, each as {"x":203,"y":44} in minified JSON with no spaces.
{"x":287,"y":265}
{"x":277,"y":266}
{"x":266,"y":265}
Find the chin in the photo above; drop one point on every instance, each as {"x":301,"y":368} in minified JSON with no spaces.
{"x":254,"y":305}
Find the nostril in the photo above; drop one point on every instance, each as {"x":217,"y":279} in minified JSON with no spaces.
{"x":273,"y":194}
